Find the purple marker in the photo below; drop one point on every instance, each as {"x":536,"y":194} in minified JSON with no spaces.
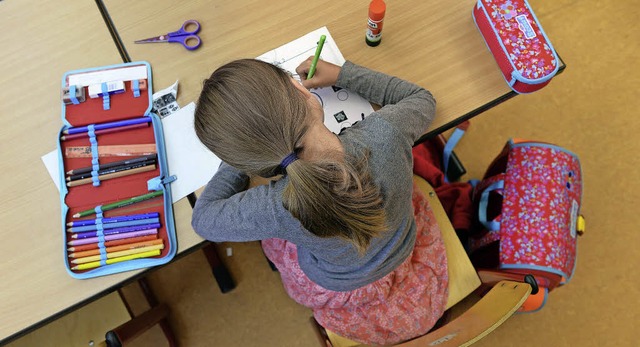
{"x":113,"y":237}
{"x":115,"y":231}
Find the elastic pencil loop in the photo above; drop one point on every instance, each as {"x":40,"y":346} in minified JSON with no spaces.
{"x":135,"y":86}
{"x":98,"y":210}
{"x":105,"y":96}
{"x":72,"y":95}
{"x":95,"y":161}
{"x":103,"y":252}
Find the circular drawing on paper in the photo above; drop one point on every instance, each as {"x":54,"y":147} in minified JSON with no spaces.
{"x":342,"y":95}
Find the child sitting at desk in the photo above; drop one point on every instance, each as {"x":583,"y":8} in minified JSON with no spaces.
{"x":349,"y":235}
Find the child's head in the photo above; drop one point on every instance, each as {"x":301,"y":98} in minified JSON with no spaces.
{"x":251,"y":116}
{"x":254,"y":116}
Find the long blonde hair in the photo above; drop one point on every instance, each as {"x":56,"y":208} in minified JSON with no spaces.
{"x":251,"y":116}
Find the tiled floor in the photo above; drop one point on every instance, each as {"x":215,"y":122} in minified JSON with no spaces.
{"x":591,"y":109}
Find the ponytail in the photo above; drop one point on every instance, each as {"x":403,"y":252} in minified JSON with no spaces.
{"x":335,"y":198}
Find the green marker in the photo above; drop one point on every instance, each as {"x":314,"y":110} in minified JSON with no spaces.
{"x":312,"y":69}
{"x":120,"y":203}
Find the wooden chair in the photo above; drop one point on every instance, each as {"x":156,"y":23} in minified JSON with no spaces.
{"x":87,"y":325}
{"x":498,"y":304}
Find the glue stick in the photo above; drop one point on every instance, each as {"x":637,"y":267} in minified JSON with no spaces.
{"x":377,"y":9}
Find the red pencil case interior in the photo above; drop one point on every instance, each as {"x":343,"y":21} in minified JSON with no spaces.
{"x":110,"y":106}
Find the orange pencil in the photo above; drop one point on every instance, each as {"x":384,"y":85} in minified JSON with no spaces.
{"x":112,"y":243}
{"x":116,"y":248}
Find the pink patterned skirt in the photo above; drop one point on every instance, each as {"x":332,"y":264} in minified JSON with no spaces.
{"x":402,"y":305}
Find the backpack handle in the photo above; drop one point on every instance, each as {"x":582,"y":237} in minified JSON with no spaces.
{"x":491,"y":225}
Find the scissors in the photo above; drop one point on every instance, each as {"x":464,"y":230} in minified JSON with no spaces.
{"x":187,"y":38}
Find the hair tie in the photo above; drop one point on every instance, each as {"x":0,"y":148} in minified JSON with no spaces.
{"x":288,"y":160}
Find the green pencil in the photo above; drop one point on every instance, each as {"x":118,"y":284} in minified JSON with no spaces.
{"x":120,"y":203}
{"x":314,"y":62}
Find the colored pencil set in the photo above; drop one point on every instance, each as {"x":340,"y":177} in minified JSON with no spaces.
{"x":114,"y":191}
{"x":97,"y":242}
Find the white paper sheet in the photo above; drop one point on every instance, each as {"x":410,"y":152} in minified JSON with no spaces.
{"x":188,"y":159}
{"x":342,"y":107}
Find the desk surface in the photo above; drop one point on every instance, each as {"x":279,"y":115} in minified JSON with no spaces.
{"x":35,"y":284}
{"x":432,"y":43}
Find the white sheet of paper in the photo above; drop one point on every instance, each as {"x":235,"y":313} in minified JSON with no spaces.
{"x":342,"y":108}
{"x":188,"y":159}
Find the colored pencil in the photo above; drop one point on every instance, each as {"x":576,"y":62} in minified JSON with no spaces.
{"x":101,"y":126}
{"x":116,"y":254}
{"x":95,"y":264}
{"x":113,"y":175}
{"x":120,"y":203}
{"x":110,"y":243}
{"x":113,"y":164}
{"x":128,"y":223}
{"x":115,"y":231}
{"x":104,"y":131}
{"x":114,"y":219}
{"x":113,"y":237}
{"x":96,"y":251}
{"x":134,"y":149}
{"x":111,"y":170}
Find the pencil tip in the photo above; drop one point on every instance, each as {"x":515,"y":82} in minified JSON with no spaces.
{"x":77,"y":215}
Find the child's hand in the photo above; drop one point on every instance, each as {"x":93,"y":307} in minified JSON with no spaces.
{"x":326,"y":74}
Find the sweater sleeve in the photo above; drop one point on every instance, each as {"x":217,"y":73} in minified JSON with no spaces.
{"x":409,"y":108}
{"x":226,"y":211}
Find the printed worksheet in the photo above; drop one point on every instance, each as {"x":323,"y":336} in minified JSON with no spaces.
{"x":342,"y":107}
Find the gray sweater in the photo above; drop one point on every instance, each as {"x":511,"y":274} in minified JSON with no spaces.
{"x":226,"y":211}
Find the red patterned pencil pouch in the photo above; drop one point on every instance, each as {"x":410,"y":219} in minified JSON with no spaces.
{"x":516,"y":39}
{"x":528,"y":208}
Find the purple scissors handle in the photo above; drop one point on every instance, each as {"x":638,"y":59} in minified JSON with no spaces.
{"x":187,"y":38}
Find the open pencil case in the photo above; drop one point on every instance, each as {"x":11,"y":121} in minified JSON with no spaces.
{"x":115,"y":194}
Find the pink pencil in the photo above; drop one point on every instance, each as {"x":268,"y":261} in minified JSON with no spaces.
{"x":113,"y":237}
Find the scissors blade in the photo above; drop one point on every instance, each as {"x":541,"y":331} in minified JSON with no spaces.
{"x":161,"y":38}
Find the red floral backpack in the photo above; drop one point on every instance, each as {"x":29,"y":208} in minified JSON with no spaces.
{"x":528,"y":215}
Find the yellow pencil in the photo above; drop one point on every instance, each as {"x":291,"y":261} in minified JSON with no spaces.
{"x":112,"y":255}
{"x":94,"y":264}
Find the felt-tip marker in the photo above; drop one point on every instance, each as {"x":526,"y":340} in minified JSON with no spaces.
{"x":314,"y":62}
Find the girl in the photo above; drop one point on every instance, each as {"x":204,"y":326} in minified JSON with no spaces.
{"x":349,"y":236}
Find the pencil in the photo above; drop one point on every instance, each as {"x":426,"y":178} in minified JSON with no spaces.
{"x":95,"y":264}
{"x":104,"y":131}
{"x":133,"y":245}
{"x":114,"y":219}
{"x":111,"y":170}
{"x":113,"y":164}
{"x":116,"y":231}
{"x":110,"y":243}
{"x":116,"y":254}
{"x":101,"y":126}
{"x":314,"y":62}
{"x":120,"y":203}
{"x":112,"y":175}
{"x":113,"y":237}
{"x":107,"y":226}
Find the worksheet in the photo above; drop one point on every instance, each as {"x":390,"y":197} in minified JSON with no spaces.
{"x":342,"y":107}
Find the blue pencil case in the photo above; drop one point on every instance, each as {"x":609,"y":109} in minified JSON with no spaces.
{"x":115,"y":191}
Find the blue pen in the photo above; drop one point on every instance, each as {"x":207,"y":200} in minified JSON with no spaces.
{"x":115,"y":219}
{"x":128,"y":223}
{"x":116,"y":231}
